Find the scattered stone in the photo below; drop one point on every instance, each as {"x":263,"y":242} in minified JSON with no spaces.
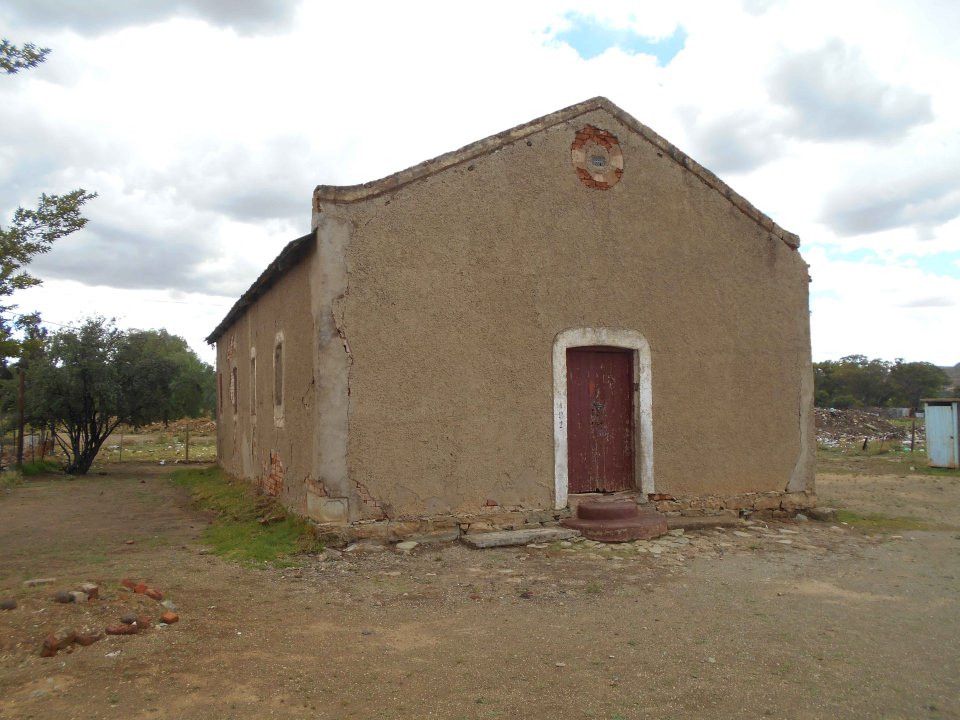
{"x":87,"y":639}
{"x":169,"y":617}
{"x":560,"y":664}
{"x":115,"y":653}
{"x":129,"y":542}
{"x":128,"y":583}
{"x":787,"y":532}
{"x":8,"y":604}
{"x":711,"y":660}
{"x":169,"y":604}
{"x":332,"y":554}
{"x":122,"y":629}
{"x":91,"y":590}
{"x":144,"y":621}
{"x":741,"y":533}
{"x":140,"y":588}
{"x":823,"y":514}
{"x":35,"y":582}
{"x":784,"y":542}
{"x":676,"y":532}
{"x":57,"y":641}
{"x":78,"y":596}
{"x":406,"y":546}
{"x":62,"y":596}
{"x":800,"y":517}
{"x":511,"y":538}
{"x":204,"y":551}
{"x":153,"y":594}
{"x":128,"y":619}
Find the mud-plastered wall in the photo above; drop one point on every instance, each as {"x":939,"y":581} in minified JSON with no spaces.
{"x":266,"y":410}
{"x":458,"y":284}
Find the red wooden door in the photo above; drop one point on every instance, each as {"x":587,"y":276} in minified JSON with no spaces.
{"x":600,"y":424}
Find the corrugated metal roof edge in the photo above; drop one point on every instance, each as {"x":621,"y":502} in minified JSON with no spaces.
{"x":290,"y":254}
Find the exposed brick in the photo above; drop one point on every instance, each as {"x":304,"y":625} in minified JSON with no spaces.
{"x":122,"y":630}
{"x":89,"y":638}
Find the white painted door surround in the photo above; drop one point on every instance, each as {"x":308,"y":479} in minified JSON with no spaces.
{"x":642,"y":401}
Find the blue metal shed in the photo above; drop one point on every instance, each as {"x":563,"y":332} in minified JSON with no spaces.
{"x":943,"y":431}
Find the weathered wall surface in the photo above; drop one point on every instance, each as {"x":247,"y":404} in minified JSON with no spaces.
{"x":458,"y":283}
{"x":259,"y":442}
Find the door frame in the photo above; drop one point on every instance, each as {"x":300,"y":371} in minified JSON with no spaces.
{"x":642,"y":402}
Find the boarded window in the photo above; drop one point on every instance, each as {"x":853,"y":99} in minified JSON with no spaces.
{"x":278,"y":374}
{"x":233,"y":389}
{"x":253,"y":385}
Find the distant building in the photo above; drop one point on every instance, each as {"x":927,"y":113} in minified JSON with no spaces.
{"x":572,"y":306}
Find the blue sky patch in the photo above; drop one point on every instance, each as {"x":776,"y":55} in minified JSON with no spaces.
{"x":590,"y":38}
{"x":941,"y":263}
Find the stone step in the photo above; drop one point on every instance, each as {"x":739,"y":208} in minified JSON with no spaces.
{"x":510,"y":538}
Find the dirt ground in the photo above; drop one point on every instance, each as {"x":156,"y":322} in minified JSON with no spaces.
{"x":781,"y":620}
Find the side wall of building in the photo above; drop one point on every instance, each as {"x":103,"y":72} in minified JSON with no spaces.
{"x":459,"y":283}
{"x":267,"y":396}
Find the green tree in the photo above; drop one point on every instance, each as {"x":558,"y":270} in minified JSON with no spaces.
{"x":90,"y":379}
{"x":13,"y":59}
{"x":31,"y":232}
{"x":192,"y":387}
{"x":911,"y":381}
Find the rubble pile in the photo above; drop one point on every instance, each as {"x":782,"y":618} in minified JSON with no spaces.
{"x":836,"y":427}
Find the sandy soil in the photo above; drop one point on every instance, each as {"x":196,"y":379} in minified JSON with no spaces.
{"x":796,"y":620}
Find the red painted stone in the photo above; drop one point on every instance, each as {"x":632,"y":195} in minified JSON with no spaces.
{"x":128,"y":583}
{"x":140,"y":588}
{"x":616,"y":521}
{"x":153,"y":594}
{"x":169,"y":617}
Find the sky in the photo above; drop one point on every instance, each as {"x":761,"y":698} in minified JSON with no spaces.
{"x":204,"y":125}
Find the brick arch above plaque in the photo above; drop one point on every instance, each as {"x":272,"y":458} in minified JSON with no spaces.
{"x":597,"y":158}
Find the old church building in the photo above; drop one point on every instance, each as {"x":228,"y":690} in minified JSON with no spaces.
{"x":573,"y":306}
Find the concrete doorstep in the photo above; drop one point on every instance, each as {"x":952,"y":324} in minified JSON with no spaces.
{"x":509,"y":538}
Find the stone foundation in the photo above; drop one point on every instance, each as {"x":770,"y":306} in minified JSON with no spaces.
{"x":705,"y":505}
{"x":437,"y":529}
{"x":450,"y":527}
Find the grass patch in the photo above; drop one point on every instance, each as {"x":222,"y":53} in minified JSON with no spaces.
{"x":40,"y":466}
{"x":878,"y":522}
{"x":239,"y":533}
{"x":10,"y":478}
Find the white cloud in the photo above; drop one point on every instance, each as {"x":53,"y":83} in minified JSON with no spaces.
{"x":205,"y":126}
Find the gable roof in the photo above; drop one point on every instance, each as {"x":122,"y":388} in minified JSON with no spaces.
{"x":338,"y":194}
{"x":345,"y":194}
